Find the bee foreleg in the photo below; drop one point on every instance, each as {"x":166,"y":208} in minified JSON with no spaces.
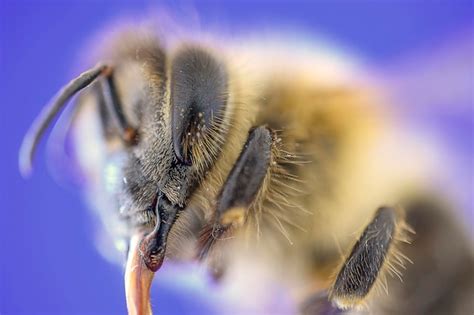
{"x":240,"y":189}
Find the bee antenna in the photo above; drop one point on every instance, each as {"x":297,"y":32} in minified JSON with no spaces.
{"x":49,"y":112}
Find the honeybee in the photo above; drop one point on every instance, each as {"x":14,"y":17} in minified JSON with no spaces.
{"x":268,"y":163}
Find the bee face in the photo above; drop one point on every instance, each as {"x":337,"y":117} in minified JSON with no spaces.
{"x":184,"y":120}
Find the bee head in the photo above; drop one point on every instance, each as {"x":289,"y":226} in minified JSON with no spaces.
{"x":171,"y":138}
{"x":184,"y":124}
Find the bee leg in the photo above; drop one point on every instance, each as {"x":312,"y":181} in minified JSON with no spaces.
{"x":368,"y":258}
{"x":240,"y":189}
{"x":115,"y":108}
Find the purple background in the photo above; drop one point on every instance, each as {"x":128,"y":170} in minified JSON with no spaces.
{"x":48,"y":262}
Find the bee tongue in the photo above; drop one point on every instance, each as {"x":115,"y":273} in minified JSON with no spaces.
{"x":138,"y":278}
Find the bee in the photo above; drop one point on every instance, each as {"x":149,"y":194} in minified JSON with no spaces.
{"x":267,"y":163}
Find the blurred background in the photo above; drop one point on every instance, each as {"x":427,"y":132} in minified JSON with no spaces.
{"x":423,"y":50}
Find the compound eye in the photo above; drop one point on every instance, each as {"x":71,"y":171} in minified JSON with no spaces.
{"x":199,"y":98}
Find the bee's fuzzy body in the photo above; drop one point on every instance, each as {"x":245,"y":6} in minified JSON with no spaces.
{"x":337,"y":155}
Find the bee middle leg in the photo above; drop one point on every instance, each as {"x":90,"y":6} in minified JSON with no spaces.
{"x":239,"y":192}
